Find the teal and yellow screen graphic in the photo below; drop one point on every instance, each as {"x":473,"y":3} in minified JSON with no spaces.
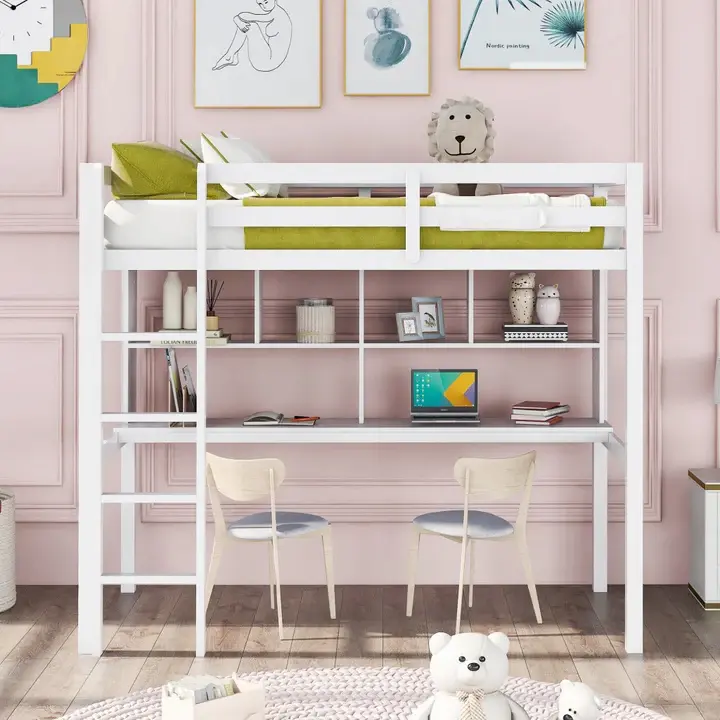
{"x":444,"y":389}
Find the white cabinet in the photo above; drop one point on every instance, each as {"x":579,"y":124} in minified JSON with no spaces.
{"x":704,"y":580}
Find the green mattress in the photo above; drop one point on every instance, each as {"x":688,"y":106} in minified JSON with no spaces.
{"x":393,"y":238}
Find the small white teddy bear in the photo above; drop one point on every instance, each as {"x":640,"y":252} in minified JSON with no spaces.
{"x":577,"y":701}
{"x":469,"y":671}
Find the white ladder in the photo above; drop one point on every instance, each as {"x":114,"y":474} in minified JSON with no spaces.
{"x":92,"y":422}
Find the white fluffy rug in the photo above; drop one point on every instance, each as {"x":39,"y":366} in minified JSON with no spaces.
{"x":354,"y":694}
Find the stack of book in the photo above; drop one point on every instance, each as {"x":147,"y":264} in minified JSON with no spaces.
{"x":535,"y":333}
{"x":183,"y":397}
{"x":532,"y":412}
{"x":216,"y":337}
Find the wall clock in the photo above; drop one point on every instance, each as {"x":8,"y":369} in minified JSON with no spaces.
{"x":42,"y":47}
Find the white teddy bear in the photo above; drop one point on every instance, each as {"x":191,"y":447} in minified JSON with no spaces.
{"x":469,"y":671}
{"x":577,"y":701}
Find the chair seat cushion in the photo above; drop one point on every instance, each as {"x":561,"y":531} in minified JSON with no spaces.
{"x":450,"y":522}
{"x":289,"y":524}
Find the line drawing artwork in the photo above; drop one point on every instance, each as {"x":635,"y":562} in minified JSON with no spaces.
{"x":267,"y":35}
{"x":387,"y":47}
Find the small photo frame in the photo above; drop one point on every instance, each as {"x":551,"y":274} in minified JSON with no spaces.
{"x":432,"y":320}
{"x":387,"y":47}
{"x":409,"y":327}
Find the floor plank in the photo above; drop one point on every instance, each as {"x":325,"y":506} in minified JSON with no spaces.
{"x":543,"y":646}
{"x":150,"y":638}
{"x":360,"y":641}
{"x":315,"y":640}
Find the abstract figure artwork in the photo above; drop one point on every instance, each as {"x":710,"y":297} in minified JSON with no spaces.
{"x":387,"y":47}
{"x":522,"y":34}
{"x":257,"y":53}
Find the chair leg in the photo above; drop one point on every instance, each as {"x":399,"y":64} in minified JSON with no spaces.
{"x":461,"y":584}
{"x":329,"y":572}
{"x":471,"y":572}
{"x":218,"y":547}
{"x":276,"y":563}
{"x":525,"y":560}
{"x":271,"y":567}
{"x":412,"y":569}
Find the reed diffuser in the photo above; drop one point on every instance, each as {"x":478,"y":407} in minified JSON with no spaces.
{"x":214,"y":288}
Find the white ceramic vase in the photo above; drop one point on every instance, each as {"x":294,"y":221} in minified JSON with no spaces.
{"x":172,"y":301}
{"x":190,"y":309}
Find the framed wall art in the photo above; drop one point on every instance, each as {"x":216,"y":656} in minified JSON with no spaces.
{"x":258,"y":54}
{"x":522,"y":35}
{"x":387,"y":47}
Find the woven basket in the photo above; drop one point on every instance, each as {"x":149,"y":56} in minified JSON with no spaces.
{"x":7,"y":550}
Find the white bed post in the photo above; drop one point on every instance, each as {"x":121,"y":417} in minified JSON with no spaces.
{"x":257,"y":307}
{"x":90,"y":430}
{"x":201,"y":410}
{"x":634,"y":432}
{"x":600,"y":413}
{"x":412,"y":219}
{"x":361,"y":343}
{"x":128,"y":511}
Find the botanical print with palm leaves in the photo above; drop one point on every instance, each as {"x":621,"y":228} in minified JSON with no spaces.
{"x":512,"y":4}
{"x":522,"y":33}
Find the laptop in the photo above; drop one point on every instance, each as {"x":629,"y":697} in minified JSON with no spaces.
{"x":445,"y":397}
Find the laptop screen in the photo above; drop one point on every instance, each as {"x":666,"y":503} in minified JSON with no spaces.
{"x":444,"y":391}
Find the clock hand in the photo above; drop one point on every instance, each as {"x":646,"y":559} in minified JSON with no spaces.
{"x":7,"y":4}
{"x":17,"y":5}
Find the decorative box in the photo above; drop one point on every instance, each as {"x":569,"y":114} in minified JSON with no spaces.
{"x":248,"y":703}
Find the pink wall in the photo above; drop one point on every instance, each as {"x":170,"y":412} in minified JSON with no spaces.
{"x":648,"y":94}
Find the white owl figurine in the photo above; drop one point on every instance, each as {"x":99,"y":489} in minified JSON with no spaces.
{"x":547,"y":304}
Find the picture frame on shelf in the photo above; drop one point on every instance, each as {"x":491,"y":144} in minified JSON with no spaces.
{"x":409,"y":327}
{"x":387,"y":48}
{"x":432,"y":318}
{"x":239,"y":63}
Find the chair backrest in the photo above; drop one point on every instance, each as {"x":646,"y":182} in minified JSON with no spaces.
{"x":495,"y":478}
{"x":241,"y":481}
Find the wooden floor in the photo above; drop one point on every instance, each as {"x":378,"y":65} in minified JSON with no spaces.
{"x":150,"y":639}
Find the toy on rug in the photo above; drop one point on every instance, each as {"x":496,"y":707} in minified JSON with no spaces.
{"x":522,"y":297}
{"x":577,"y":701}
{"x":463,"y":132}
{"x":469,"y":671}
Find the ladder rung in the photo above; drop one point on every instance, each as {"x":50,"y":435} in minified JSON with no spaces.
{"x":157,"y":417}
{"x":147,"y":498}
{"x":130,"y":579}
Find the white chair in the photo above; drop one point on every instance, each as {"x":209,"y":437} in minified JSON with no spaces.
{"x":492,"y":479}
{"x":248,"y":480}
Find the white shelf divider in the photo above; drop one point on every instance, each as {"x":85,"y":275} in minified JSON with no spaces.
{"x":361,"y":346}
{"x":471,"y":306}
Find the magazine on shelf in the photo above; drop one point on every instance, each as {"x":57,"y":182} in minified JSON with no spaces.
{"x":174,"y":375}
{"x":268,"y":417}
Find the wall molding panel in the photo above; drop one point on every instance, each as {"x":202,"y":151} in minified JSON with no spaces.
{"x":56,"y":213}
{"x":347,"y":500}
{"x":53,"y":324}
{"x":648,"y":105}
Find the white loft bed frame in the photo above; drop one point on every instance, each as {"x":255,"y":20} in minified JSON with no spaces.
{"x":137,"y":428}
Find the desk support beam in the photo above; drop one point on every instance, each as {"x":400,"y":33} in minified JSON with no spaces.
{"x":128,"y":513}
{"x":600,"y":413}
{"x":634,"y":426}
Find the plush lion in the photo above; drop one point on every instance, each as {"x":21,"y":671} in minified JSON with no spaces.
{"x":462,"y":132}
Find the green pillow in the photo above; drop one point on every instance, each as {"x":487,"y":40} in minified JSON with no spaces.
{"x":154,"y":171}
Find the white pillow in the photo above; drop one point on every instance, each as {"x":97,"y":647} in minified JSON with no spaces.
{"x":222,"y":149}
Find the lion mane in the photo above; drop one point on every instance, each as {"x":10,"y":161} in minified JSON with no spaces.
{"x":486,"y":153}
